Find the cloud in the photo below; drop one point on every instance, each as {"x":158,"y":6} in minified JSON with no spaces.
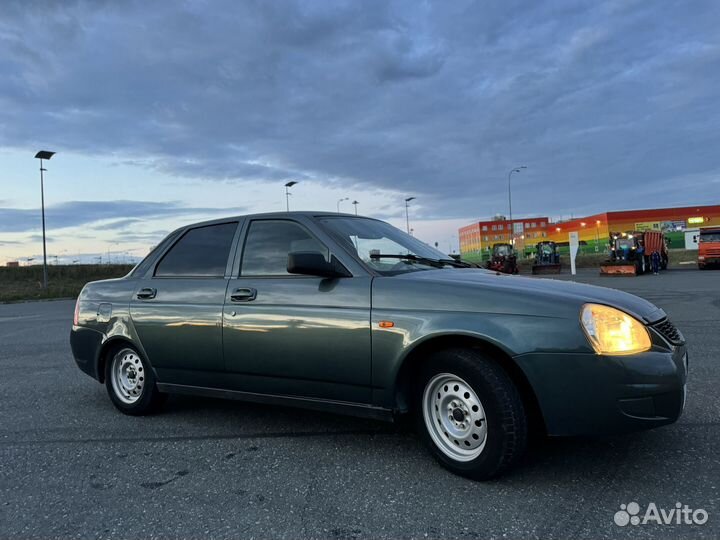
{"x":116,"y":224}
{"x":76,"y":213}
{"x":435,"y":99}
{"x":38,"y":238}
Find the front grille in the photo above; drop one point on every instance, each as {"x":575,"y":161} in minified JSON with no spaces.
{"x":668,"y":330}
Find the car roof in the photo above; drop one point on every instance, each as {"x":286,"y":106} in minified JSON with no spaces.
{"x":266,"y":215}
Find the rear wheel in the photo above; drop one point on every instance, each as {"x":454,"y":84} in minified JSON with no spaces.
{"x":130,"y":383}
{"x":470,"y":414}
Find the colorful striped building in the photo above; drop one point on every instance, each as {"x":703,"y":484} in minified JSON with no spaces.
{"x":594,"y":231}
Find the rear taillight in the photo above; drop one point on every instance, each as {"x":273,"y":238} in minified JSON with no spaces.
{"x":76,"y":315}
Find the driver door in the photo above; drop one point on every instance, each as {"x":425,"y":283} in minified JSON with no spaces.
{"x":295,"y":335}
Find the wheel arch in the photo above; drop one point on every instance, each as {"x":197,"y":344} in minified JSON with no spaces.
{"x":412,"y":361}
{"x":110,"y":345}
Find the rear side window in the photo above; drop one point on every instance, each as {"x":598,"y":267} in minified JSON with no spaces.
{"x":268,"y":244}
{"x":201,"y":252}
{"x":147,"y":262}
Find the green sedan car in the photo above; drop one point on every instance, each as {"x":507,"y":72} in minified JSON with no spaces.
{"x":348,"y":314}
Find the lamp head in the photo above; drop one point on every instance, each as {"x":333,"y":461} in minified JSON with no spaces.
{"x":44,"y":154}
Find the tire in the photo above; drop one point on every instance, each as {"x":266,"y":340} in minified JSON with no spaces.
{"x":479,"y":428}
{"x":130,"y":383}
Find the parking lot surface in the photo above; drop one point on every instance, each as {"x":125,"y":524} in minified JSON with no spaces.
{"x":72,"y":466}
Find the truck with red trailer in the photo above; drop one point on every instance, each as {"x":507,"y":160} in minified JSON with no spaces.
{"x":631,"y":253}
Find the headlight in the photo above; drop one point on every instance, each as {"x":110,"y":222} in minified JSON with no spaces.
{"x":612,"y":331}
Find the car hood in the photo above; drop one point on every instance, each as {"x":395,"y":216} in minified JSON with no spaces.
{"x":553,"y":288}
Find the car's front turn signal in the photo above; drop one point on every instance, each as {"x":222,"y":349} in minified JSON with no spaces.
{"x":612,"y":331}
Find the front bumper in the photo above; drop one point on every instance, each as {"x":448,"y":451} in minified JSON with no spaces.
{"x":85,"y":344}
{"x":709,"y":261}
{"x":589,"y":394}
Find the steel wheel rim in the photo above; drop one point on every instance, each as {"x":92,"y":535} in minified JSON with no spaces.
{"x":454,"y":417}
{"x":127,"y":375}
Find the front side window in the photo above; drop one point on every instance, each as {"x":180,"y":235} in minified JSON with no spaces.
{"x":384,"y":247}
{"x":201,"y":252}
{"x":270,"y":241}
{"x":710,"y":237}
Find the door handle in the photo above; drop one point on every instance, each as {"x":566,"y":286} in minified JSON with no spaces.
{"x":243,"y":295}
{"x":147,"y":293}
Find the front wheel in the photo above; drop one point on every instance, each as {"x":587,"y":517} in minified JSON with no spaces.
{"x":130,"y":383}
{"x":470,"y":414}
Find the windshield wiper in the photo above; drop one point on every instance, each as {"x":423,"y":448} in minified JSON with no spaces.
{"x":437,"y":263}
{"x":457,"y":264}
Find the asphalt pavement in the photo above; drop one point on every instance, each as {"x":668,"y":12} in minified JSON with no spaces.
{"x":71,"y":466}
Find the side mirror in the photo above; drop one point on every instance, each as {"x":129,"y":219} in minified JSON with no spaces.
{"x":313,"y":263}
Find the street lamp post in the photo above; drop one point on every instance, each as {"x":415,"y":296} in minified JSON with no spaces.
{"x":287,"y":194}
{"x":597,"y":236}
{"x":407,"y":212}
{"x":341,"y":200}
{"x":43,"y":154}
{"x":512,"y":225}
{"x":355,"y":203}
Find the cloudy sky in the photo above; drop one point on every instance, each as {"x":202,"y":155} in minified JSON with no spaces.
{"x":163,"y":113}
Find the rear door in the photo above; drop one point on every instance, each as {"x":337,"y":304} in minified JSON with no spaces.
{"x":177,"y":307}
{"x":291,"y":334}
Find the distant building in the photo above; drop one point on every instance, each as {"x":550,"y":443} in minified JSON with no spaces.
{"x":483,"y":234}
{"x":594,"y":231}
{"x":12,"y":264}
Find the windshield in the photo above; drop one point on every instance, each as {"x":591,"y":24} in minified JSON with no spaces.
{"x":372,"y":239}
{"x":710,"y":237}
{"x":624,"y":244}
{"x":503,"y":250}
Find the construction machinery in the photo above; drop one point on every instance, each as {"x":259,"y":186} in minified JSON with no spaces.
{"x":503,"y":259}
{"x":631,"y":253}
{"x":547,"y":258}
{"x":708,"y":248}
